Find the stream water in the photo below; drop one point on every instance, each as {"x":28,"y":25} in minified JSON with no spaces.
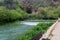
{"x":12,"y":30}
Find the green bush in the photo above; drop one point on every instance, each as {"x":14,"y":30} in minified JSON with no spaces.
{"x":42,"y":13}
{"x":23,"y":14}
{"x":45,"y":13}
{"x":8,"y":15}
{"x":52,"y":14}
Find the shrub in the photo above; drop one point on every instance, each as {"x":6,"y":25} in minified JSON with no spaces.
{"x":8,"y":15}
{"x":42,"y":12}
{"x":52,"y":14}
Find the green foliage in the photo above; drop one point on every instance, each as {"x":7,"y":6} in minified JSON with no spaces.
{"x":44,"y":13}
{"x":52,"y":14}
{"x":23,"y":14}
{"x":33,"y":16}
{"x":49,"y":13}
{"x":7,"y":15}
{"x":41,"y":27}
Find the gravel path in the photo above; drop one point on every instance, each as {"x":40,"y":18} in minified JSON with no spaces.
{"x":56,"y":32}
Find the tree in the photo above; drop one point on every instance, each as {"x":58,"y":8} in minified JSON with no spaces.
{"x":10,"y":4}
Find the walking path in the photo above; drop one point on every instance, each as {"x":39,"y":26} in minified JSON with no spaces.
{"x":56,"y":32}
{"x":53,"y":33}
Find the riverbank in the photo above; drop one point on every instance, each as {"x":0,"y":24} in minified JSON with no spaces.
{"x":11,"y":31}
{"x":40,"y":20}
{"x":40,"y":28}
{"x":7,"y":15}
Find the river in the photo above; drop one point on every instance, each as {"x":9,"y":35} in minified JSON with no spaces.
{"x":12,"y":30}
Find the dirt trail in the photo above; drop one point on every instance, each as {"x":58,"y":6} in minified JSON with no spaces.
{"x":56,"y":32}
